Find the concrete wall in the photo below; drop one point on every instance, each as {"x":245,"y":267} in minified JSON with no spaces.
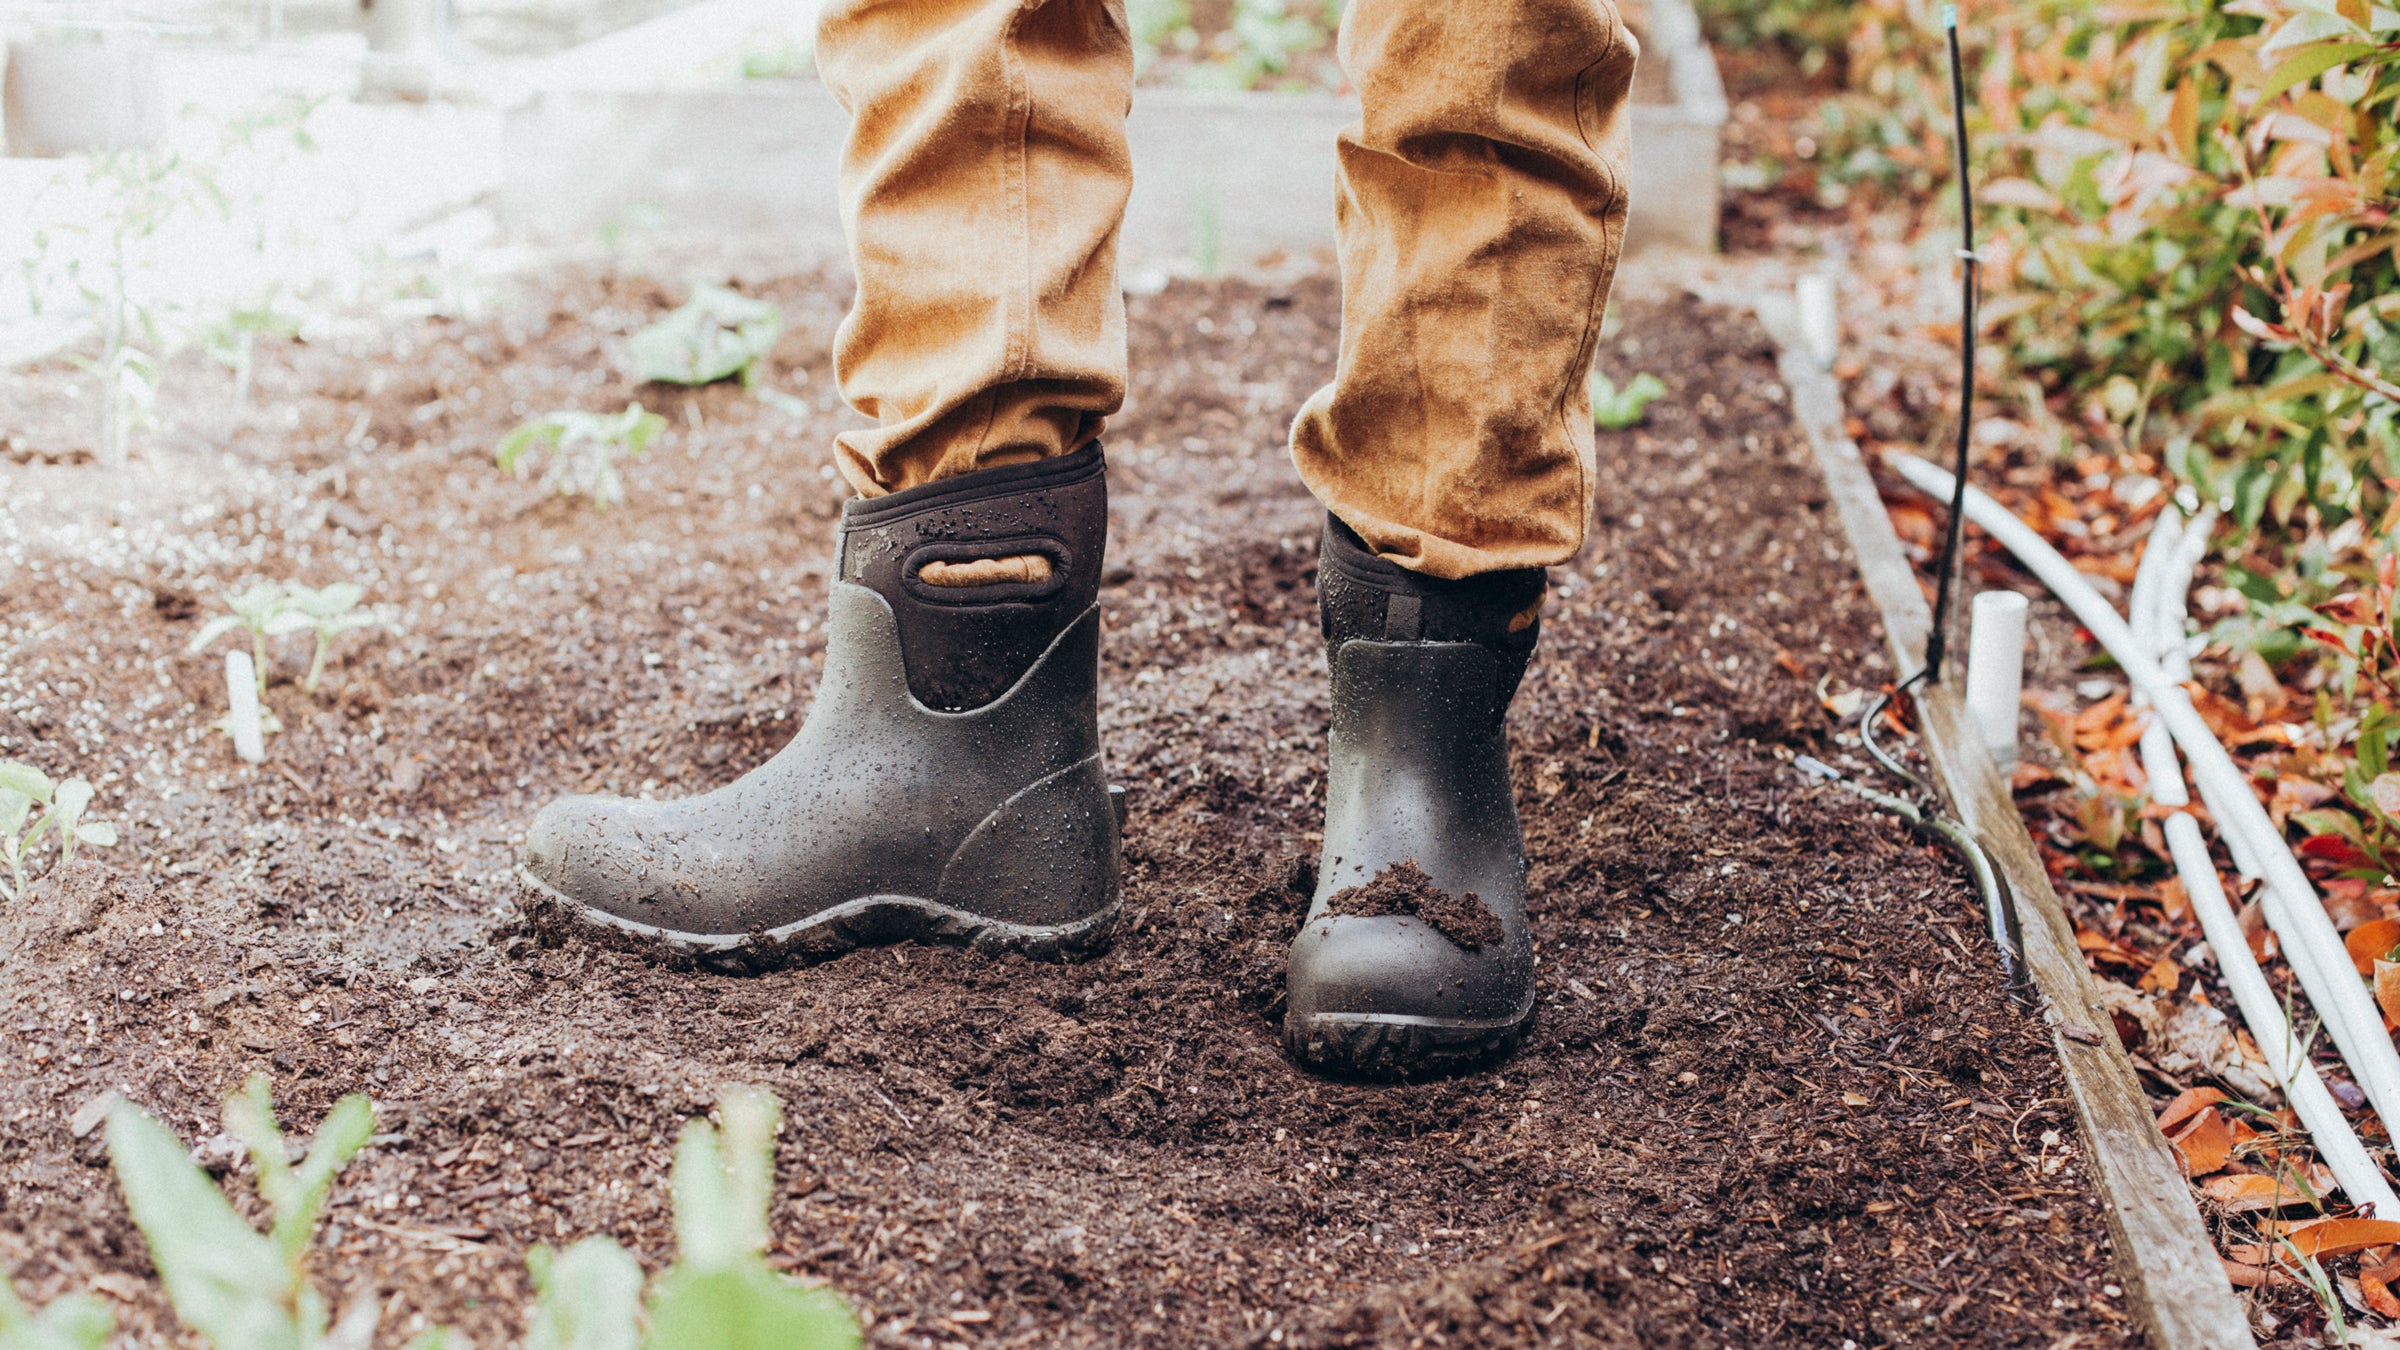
{"x":1239,"y":175}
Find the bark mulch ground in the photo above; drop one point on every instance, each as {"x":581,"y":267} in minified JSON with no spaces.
{"x":1773,"y":1094}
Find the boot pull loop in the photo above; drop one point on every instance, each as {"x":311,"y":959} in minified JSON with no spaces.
{"x":1403,"y":617}
{"x":1023,"y":570}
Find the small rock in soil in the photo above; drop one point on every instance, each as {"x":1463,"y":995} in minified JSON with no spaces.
{"x":1403,"y":888}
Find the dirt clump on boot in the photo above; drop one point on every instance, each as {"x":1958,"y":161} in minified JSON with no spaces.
{"x":1403,"y":888}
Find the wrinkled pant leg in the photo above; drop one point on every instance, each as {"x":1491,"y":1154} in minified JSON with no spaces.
{"x":982,"y":186}
{"x":1480,"y":211}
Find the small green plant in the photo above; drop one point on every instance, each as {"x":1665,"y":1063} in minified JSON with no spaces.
{"x":273,"y":609}
{"x":1615,"y":409}
{"x":716,"y":335}
{"x":720,"y":1294}
{"x":24,"y":787}
{"x":241,"y":1289}
{"x":233,"y":341}
{"x":585,"y":449}
{"x":76,"y":1322}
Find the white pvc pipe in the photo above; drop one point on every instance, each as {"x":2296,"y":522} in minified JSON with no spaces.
{"x":2287,"y":1059}
{"x":2157,"y":612}
{"x":2293,"y":908}
{"x":241,"y":699}
{"x":1996,"y":671}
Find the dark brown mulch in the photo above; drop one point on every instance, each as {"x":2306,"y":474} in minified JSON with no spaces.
{"x":1773,"y":1095}
{"x":1404,"y":889}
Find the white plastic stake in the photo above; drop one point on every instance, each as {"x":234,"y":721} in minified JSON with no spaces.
{"x":1996,"y":671}
{"x":1820,"y":318}
{"x":241,"y":699}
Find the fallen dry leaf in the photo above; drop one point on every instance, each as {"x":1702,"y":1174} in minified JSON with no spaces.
{"x":2372,"y":941}
{"x":2375,"y":1288}
{"x":2387,"y":989}
{"x":2323,"y":1237}
{"x":2246,"y":1276}
{"x":1853,"y":1099}
{"x":2206,"y":1144}
{"x":2173,"y":898}
{"x":2251,"y":1192}
{"x":2187,"y":1104}
{"x":2162,"y":977}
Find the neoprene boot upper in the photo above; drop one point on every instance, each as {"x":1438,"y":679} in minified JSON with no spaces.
{"x":1417,"y":791}
{"x":947,"y":782}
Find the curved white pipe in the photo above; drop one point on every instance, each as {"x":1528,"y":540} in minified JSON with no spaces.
{"x":2293,"y":908}
{"x":2287,"y":1059}
{"x":2162,"y":603}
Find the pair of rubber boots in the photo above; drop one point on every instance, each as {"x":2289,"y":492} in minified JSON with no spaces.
{"x":948,"y":782}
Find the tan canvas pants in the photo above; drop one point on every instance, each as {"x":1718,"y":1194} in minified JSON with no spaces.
{"x":1481,"y":203}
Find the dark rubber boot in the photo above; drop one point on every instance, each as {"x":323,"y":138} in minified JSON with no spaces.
{"x":1436,"y":973}
{"x":947,"y":784}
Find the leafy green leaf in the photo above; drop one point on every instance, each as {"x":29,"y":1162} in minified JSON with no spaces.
{"x":75,"y":1322}
{"x":228,"y":1282}
{"x":714,"y":335}
{"x":585,"y":1299}
{"x":1615,"y":409}
{"x":746,"y":1306}
{"x":25,"y":778}
{"x":2307,"y":63}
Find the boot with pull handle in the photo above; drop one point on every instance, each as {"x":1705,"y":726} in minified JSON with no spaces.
{"x":947,"y":784}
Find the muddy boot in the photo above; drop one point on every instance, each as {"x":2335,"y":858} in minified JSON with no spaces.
{"x":947,"y":783}
{"x":1415,"y":958}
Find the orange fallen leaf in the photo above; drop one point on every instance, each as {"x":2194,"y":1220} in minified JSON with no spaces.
{"x":2375,"y":1288}
{"x":2206,"y":1143}
{"x":2173,"y":898}
{"x":2387,"y":989}
{"x":2187,"y":1103}
{"x":2253,"y":1192}
{"x":2324,"y":1237}
{"x":2371,"y":941}
{"x":1853,"y":1099}
{"x":2162,"y":976}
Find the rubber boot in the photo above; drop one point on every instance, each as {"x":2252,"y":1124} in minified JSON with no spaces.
{"x":1417,"y":799}
{"x":947,"y":782}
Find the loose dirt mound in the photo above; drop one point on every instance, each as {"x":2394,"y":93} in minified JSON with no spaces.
{"x":1773,"y":1094}
{"x":1403,"y":888}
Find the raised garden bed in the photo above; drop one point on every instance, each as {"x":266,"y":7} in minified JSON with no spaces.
{"x":1774,"y":1094}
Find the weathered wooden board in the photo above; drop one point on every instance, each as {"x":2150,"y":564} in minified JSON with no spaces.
{"x":2164,"y":1258}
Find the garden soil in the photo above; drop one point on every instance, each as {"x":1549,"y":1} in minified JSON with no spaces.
{"x":1773,"y":1093}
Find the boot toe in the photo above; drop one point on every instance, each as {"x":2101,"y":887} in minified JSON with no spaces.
{"x":575,"y":850}
{"x":1389,"y":995}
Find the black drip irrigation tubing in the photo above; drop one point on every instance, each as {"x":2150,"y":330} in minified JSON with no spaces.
{"x":1925,"y":813}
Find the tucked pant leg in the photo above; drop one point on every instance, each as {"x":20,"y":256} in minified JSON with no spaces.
{"x":1480,"y":210}
{"x":982,"y":186}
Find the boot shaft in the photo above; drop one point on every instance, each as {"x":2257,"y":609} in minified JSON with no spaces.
{"x":1361,"y":597}
{"x":982,"y":572}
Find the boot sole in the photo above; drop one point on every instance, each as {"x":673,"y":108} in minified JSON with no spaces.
{"x":1390,"y":1046}
{"x":867,"y":921}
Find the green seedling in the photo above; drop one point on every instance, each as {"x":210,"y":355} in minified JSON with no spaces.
{"x":716,"y":335}
{"x":585,"y":449}
{"x":1615,"y":409}
{"x":327,"y":612}
{"x":241,"y":1289}
{"x":720,"y":1294}
{"x":233,"y":341}
{"x":76,"y":1322}
{"x":24,"y":787}
{"x":273,"y":609}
